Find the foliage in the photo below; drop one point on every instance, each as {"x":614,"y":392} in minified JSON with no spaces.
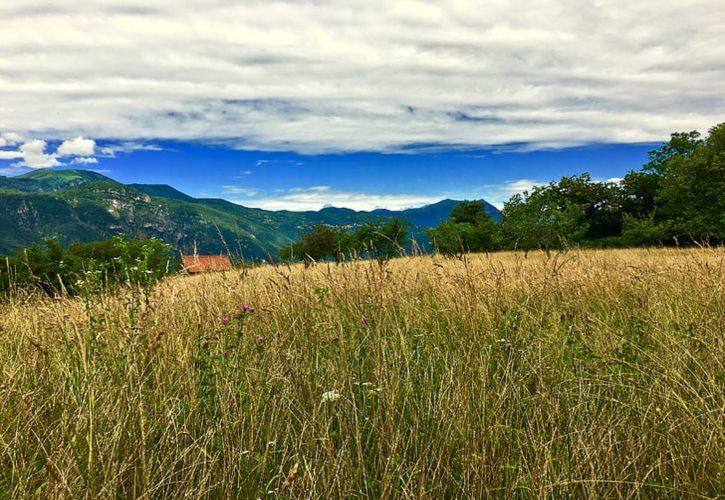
{"x":543,"y":219}
{"x":116,"y":261}
{"x":642,"y":232}
{"x":676,"y":196}
{"x":379,"y":240}
{"x":470,"y":229}
{"x":693,"y":188}
{"x":321,"y":242}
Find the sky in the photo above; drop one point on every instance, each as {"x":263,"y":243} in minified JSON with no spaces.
{"x":358,"y":103}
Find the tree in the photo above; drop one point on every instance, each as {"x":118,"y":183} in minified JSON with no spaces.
{"x":382,"y":240}
{"x":449,"y":237}
{"x":682,"y":186}
{"x":541,"y":219}
{"x":639,"y":193}
{"x":601,"y":203}
{"x":469,"y":229}
{"x":318,"y":244}
{"x":642,"y":232}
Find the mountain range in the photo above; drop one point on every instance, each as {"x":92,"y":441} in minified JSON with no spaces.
{"x":80,"y":205}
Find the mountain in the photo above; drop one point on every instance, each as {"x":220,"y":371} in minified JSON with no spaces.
{"x":79,"y":205}
{"x":44,"y":181}
{"x":162,"y":190}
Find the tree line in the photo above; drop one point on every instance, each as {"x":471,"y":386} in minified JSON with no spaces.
{"x":678,"y":196}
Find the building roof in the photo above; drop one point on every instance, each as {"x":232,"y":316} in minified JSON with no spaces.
{"x":206,"y":263}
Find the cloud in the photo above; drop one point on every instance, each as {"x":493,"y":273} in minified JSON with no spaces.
{"x":498,"y":194}
{"x":318,"y":197}
{"x":10,"y":155}
{"x":362,"y":75}
{"x":261,"y":163}
{"x":240,"y":190}
{"x":10,"y":139}
{"x":77,"y":147}
{"x":83,"y":161}
{"x":34,"y":155}
{"x":128,"y":147}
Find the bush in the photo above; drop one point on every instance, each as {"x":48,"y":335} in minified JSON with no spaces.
{"x":108,"y":263}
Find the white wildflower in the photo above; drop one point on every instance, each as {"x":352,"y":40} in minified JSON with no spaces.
{"x":330,"y":396}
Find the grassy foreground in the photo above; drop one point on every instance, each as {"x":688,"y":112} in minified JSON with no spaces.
{"x":588,"y":374}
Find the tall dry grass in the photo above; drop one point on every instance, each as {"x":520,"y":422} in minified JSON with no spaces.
{"x":589,"y":374}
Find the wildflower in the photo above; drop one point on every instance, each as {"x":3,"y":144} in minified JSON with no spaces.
{"x":259,"y":339}
{"x":226,"y":352}
{"x":224,"y":320}
{"x":247,"y":309}
{"x":504,"y":342}
{"x":364,"y":320}
{"x":330,"y":396}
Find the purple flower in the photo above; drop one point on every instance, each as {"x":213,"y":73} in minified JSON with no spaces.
{"x":247,"y":309}
{"x":259,"y":339}
{"x":364,"y":320}
{"x":224,"y":320}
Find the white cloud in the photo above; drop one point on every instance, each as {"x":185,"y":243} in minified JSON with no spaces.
{"x":33,"y":152}
{"x":318,"y":197}
{"x":34,"y":155}
{"x":84,"y":161}
{"x":10,"y":139}
{"x":10,"y":155}
{"x":240,"y":190}
{"x":77,"y":147}
{"x":128,"y":147}
{"x":352,"y":75}
{"x":498,"y":194}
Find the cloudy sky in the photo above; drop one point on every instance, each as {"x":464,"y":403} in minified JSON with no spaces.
{"x":361,"y":103}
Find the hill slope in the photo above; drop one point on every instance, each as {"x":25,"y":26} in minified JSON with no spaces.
{"x":77,"y":205}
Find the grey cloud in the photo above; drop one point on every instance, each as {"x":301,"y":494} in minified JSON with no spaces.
{"x":354,"y":75}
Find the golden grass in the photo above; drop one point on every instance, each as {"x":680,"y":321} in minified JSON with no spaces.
{"x":587,"y":374}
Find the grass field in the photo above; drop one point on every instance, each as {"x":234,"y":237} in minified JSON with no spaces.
{"x":595,"y":374}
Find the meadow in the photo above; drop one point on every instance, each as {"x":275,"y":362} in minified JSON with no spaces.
{"x":584,"y":374}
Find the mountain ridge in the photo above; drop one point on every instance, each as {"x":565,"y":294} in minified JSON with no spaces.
{"x":80,"y":205}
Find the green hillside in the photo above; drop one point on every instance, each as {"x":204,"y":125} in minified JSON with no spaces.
{"x":81,"y":206}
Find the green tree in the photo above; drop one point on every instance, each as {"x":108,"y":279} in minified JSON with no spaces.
{"x":540,"y":219}
{"x":469,"y":229}
{"x":382,"y":240}
{"x":601,"y":203}
{"x":320,"y":243}
{"x":693,"y":189}
{"x":642,"y":232}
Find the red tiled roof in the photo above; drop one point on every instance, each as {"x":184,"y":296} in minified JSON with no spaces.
{"x":205,"y":263}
